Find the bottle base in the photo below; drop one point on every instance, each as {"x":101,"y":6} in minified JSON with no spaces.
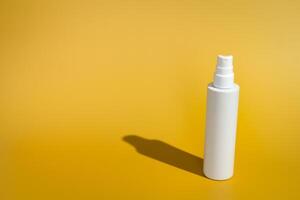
{"x":217,"y":178}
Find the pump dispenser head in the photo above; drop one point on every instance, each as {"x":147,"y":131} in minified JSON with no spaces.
{"x":224,"y":76}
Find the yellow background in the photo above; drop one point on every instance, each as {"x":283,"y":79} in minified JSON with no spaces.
{"x":83,"y":82}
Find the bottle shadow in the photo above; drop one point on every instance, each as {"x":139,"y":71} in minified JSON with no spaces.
{"x":166,"y":153}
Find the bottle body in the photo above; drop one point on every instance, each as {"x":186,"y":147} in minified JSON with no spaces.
{"x":220,"y":133}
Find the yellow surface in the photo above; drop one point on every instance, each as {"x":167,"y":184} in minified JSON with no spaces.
{"x":84,"y":82}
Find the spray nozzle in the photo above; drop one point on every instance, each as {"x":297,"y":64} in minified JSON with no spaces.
{"x":224,"y":61}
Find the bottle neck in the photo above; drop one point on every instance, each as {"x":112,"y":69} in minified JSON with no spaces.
{"x":224,"y":76}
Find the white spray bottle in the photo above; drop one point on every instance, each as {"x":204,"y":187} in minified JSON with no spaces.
{"x":221,"y":122}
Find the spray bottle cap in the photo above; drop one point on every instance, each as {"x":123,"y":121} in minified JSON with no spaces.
{"x":224,"y":76}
